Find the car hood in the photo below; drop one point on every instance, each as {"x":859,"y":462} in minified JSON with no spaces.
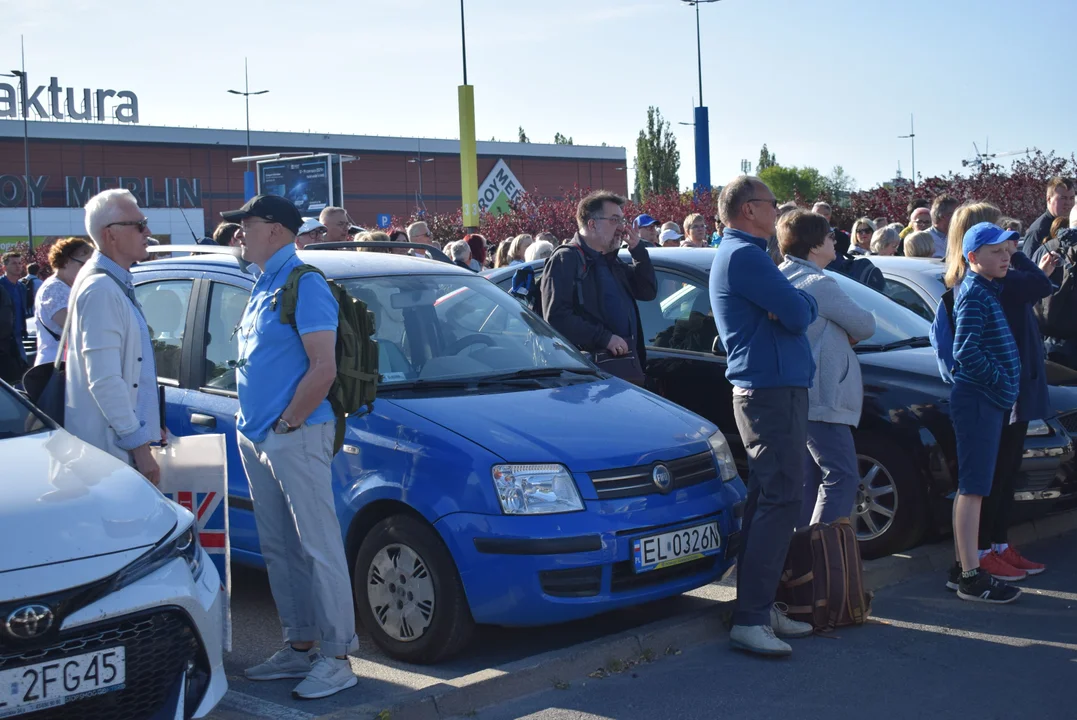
{"x":65,"y":500}
{"x":586,"y":426}
{"x":911,"y":367}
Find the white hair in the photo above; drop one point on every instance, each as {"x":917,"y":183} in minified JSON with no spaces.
{"x":458,"y":250}
{"x":103,"y":209}
{"x":884,"y":238}
{"x":538,"y":250}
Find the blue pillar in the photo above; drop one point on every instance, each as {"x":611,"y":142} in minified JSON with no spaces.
{"x":249,"y":186}
{"x":703,"y":151}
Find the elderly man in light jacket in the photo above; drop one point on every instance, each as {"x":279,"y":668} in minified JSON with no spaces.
{"x":112,"y":399}
{"x":837,"y":392}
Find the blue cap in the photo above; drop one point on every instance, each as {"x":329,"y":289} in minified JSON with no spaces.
{"x":645,"y":220}
{"x":985,"y":233}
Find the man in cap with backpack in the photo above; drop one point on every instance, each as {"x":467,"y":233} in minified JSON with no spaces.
{"x":589,"y":296}
{"x":286,"y":425}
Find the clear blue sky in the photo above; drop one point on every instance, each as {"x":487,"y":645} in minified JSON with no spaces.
{"x":822,"y":83}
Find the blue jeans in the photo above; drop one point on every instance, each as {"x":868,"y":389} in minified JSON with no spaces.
{"x":831,"y":475}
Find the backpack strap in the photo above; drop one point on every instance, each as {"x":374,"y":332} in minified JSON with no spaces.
{"x":289,"y":293}
{"x":948,"y":303}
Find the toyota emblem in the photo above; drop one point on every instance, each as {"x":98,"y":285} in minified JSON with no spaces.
{"x":29,"y":622}
{"x":662,"y":478}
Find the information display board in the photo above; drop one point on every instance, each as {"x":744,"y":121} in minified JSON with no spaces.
{"x":307,"y":182}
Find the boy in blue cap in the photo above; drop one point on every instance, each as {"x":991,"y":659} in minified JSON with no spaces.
{"x":986,"y":381}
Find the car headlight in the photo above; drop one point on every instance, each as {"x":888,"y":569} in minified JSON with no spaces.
{"x":182,"y":544}
{"x":536,"y":489}
{"x":1038,"y":428}
{"x":723,"y":458}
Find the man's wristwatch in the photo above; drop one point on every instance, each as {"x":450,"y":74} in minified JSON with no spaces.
{"x":281,"y":427}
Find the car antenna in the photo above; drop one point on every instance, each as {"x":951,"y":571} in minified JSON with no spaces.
{"x":184,"y":216}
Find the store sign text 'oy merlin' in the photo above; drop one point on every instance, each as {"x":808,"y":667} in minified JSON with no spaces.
{"x":85,"y":104}
{"x":499,"y":189}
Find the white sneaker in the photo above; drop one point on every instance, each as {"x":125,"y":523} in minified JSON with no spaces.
{"x":285,"y":663}
{"x":785,"y":626}
{"x":327,"y":676}
{"x":758,"y":639}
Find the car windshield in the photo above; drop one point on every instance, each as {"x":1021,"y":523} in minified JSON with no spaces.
{"x":437,"y":328}
{"x":893,"y":323}
{"x":16,"y":418}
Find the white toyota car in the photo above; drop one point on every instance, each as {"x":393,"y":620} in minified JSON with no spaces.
{"x":109,"y":606}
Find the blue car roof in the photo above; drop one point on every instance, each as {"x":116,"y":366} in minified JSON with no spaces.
{"x":334,"y":263}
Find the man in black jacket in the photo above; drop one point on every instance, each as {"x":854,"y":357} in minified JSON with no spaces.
{"x":1060,"y":197}
{"x":589,"y":296}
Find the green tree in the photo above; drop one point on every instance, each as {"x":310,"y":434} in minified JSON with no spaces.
{"x":792,"y":183}
{"x":658,"y":160}
{"x":559,"y":139}
{"x":523,"y":135}
{"x":766,"y":160}
{"x":839,"y":185}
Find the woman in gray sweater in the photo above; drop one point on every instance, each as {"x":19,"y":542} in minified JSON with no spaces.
{"x":837,"y":392}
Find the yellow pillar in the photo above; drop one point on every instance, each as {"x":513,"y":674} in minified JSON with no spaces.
{"x":469,"y":170}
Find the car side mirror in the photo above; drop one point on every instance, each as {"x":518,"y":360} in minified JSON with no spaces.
{"x":716,"y":347}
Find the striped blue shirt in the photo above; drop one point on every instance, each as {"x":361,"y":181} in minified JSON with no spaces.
{"x":985,"y":354}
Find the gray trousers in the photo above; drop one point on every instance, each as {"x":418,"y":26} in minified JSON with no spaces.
{"x":291,"y":487}
{"x":831,"y":475}
{"x":773,"y":426}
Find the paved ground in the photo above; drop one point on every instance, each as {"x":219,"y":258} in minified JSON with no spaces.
{"x":927,"y":654}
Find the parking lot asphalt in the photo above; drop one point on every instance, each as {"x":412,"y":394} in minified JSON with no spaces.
{"x":925,"y":654}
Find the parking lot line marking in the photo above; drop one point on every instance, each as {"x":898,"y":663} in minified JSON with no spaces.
{"x":258,"y":708}
{"x":1011,"y":640}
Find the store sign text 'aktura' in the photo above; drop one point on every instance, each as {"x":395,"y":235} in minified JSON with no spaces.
{"x":48,"y":103}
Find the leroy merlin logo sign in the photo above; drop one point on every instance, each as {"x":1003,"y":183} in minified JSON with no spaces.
{"x":498,"y":190}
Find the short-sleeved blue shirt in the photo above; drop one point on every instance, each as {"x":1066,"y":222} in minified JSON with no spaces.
{"x":272,"y":359}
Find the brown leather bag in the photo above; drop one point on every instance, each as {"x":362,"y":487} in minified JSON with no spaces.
{"x":823,"y":580}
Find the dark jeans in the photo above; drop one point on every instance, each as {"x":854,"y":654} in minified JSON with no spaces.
{"x":998,"y":506}
{"x":773,"y":423}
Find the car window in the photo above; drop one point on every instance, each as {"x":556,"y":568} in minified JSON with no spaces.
{"x":905,"y":296}
{"x":226,"y":305}
{"x":164,"y":303}
{"x":15,"y":417}
{"x":455,"y":326}
{"x":892,"y":321}
{"x":680,"y":316}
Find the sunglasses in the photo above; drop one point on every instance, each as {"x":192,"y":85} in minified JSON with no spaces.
{"x":864,"y":231}
{"x":140,"y":224}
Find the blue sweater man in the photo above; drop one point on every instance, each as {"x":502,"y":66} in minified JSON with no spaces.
{"x":762,"y":320}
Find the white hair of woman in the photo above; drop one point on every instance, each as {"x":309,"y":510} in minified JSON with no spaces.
{"x":884,"y":239}
{"x":104,"y":208}
{"x":538,"y":250}
{"x":459,"y":251}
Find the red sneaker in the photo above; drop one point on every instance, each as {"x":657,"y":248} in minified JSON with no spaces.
{"x":1000,"y":569}
{"x":1013,"y":558}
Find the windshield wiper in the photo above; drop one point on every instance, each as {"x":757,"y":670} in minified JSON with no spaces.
{"x":910,"y":342}
{"x":530,"y":373}
{"x":457,"y":383}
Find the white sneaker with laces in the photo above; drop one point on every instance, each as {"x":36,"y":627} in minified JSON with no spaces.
{"x":328,"y":676}
{"x":284,"y":664}
{"x":786,"y":627}
{"x":758,"y":639}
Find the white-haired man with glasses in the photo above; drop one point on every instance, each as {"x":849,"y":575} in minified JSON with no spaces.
{"x":112,"y":399}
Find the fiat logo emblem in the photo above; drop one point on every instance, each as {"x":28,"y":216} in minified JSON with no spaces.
{"x":662,"y":478}
{"x":29,"y":621}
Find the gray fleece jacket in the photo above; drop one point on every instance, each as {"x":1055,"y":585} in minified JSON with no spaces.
{"x":837,"y":391}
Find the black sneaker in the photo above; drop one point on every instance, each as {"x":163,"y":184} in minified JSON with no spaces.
{"x":984,"y":588}
{"x":954,"y":578}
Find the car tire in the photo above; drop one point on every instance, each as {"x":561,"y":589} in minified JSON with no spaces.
{"x":889,"y":482}
{"x":422,"y":622}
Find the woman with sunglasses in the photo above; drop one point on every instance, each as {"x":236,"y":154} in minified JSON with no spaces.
{"x":50,"y":312}
{"x":861,"y":234}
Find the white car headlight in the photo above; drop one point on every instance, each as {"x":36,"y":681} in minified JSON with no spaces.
{"x":723,"y":458}
{"x":536,"y":489}
{"x":1038,"y":428}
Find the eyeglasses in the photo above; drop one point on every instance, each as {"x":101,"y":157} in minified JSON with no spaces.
{"x":864,"y":231}
{"x":140,"y":224}
{"x":80,"y":262}
{"x":772,"y":203}
{"x":246,"y":225}
{"x":615,"y":219}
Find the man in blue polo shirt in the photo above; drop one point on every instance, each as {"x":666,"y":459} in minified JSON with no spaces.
{"x":286,"y":430}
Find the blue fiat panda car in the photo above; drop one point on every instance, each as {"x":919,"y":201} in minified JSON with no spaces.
{"x":501,"y":477}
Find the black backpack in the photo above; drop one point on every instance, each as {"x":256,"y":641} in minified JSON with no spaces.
{"x":864,"y":272}
{"x":1057,"y":313}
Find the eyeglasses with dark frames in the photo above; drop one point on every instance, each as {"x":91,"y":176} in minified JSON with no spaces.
{"x":772,"y":203}
{"x":140,"y":224}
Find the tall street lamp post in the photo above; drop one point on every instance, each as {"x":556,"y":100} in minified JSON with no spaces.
{"x":419,"y":160}
{"x":21,"y":75}
{"x":248,"y":176}
{"x":702,"y":123}
{"x":911,"y":137}
{"x":469,"y":171}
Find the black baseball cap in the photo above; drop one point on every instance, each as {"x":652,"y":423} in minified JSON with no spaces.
{"x":271,"y":208}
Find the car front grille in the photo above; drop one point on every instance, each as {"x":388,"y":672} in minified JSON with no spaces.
{"x":574,"y":582}
{"x":635,"y":481}
{"x":157,"y":647}
{"x":1069,"y":421}
{"x":624,"y":578}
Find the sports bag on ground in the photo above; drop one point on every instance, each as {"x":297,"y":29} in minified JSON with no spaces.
{"x":823,"y":579}
{"x":356,"y":384}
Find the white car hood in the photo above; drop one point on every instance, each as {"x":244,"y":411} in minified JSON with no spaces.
{"x":63,"y":500}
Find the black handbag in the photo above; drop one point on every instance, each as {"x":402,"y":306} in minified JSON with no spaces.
{"x":46,"y":384}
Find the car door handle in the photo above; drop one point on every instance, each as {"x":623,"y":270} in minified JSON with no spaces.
{"x":203,"y":420}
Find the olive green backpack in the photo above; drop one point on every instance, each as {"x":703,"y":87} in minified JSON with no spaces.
{"x":356,"y":384}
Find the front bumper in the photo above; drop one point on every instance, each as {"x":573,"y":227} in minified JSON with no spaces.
{"x":538,"y":570}
{"x":168,"y":623}
{"x":1047,"y":466}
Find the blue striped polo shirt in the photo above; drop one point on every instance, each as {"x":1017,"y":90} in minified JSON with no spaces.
{"x":985,"y":354}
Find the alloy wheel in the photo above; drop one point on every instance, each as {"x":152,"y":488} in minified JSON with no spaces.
{"x":876,"y":499}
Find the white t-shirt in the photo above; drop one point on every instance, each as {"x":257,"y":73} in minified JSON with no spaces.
{"x":50,"y":299}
